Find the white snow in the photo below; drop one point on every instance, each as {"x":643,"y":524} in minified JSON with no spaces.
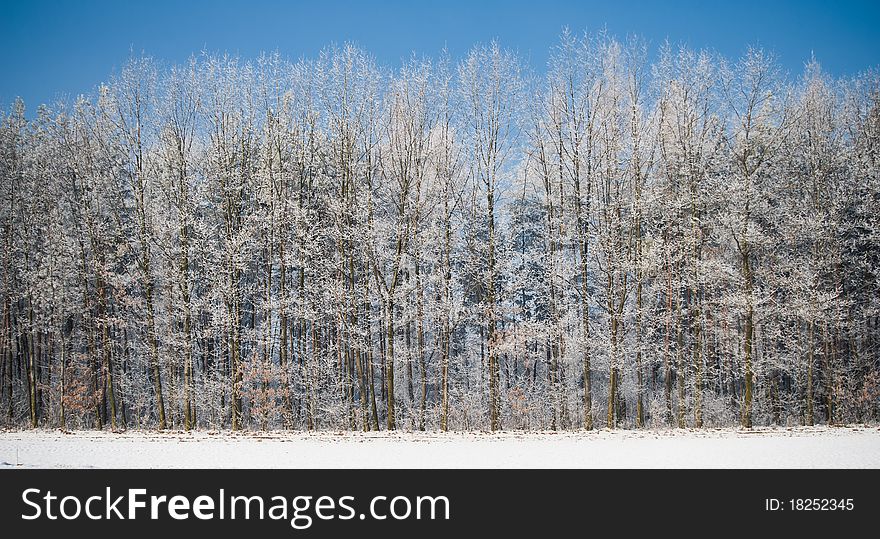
{"x":813,"y":447}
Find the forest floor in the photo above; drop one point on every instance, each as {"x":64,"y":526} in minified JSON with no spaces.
{"x":854,"y":446}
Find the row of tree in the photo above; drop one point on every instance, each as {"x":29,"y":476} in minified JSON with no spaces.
{"x":328,"y":244}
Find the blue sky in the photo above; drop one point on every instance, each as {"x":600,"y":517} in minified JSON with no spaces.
{"x":52,"y":49}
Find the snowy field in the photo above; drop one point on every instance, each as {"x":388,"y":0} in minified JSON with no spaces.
{"x":816,"y":447}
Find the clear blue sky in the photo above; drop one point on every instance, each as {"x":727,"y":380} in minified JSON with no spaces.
{"x":57,"y":48}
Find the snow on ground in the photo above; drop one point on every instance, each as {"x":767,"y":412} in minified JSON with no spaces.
{"x":813,"y":447}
